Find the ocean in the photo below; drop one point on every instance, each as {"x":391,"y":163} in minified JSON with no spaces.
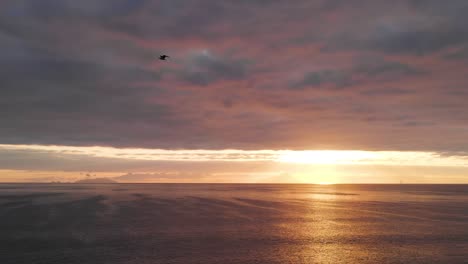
{"x":232,"y":223}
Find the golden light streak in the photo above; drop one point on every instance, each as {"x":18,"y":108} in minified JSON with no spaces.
{"x":327,"y":157}
{"x":357,"y":157}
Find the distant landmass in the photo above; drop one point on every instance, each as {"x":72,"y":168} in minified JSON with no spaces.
{"x":97,"y":180}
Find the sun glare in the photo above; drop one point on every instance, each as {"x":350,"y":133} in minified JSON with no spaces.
{"x":325,"y":183}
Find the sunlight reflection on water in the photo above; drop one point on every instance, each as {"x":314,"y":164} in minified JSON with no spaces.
{"x":198,"y":223}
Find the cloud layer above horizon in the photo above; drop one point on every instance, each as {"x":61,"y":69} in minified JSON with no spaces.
{"x":40,"y":163}
{"x":258,"y":74}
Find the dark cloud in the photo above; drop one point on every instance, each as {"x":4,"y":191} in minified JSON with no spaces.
{"x":377,"y":67}
{"x":364,"y":70}
{"x":204,"y":68}
{"x":386,"y":91}
{"x":242,"y":74}
{"x":408,"y":27}
{"x":460,"y":54}
{"x":338,"y":79}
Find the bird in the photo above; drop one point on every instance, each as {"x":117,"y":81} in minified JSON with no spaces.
{"x":163,"y":57}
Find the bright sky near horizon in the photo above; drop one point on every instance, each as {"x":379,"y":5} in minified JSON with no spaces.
{"x":315,"y":91}
{"x":44,"y":163}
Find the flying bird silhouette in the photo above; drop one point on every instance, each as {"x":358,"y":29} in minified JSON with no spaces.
{"x":163,"y":57}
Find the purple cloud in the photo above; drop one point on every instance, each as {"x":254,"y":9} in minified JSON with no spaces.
{"x":374,"y":75}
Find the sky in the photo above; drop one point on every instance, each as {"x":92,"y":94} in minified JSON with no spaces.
{"x":307,"y":91}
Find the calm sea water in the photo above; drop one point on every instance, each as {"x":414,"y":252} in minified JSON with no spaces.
{"x":233,"y":223}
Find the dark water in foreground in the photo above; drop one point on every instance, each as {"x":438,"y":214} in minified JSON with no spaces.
{"x":183,"y":223}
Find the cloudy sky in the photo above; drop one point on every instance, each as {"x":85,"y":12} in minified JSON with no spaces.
{"x":382,"y":83}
